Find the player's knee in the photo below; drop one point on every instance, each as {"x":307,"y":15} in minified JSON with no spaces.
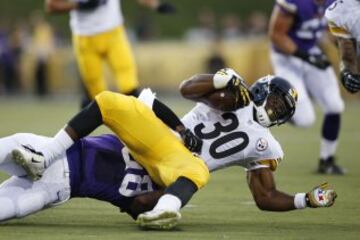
{"x":200,"y":177}
{"x":30,"y":203}
{"x":304,"y":121}
{"x":335,"y":108}
{"x":7,"y":208}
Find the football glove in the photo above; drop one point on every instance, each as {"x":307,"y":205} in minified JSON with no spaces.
{"x":242,"y":94}
{"x":320,"y":60}
{"x":87,"y":5}
{"x":350,"y":81}
{"x":191,"y":142}
{"x":166,"y":8}
{"x":321,"y":196}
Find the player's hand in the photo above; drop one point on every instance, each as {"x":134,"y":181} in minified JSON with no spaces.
{"x":350,"y":81}
{"x":222,"y":78}
{"x":166,"y":8}
{"x":241,"y":91}
{"x":191,"y":142}
{"x":87,"y":5}
{"x":319,"y":60}
{"x":321,"y":196}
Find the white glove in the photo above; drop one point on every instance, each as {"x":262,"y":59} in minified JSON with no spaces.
{"x":222,"y":78}
{"x":321,"y":196}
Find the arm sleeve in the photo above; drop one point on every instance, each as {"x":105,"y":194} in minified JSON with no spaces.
{"x":288,"y":6}
{"x":87,"y":120}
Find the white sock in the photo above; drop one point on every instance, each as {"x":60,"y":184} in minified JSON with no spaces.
{"x":327,"y":148}
{"x":57,"y":146}
{"x":168,"y":202}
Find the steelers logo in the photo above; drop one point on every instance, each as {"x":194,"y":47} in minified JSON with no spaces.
{"x":261,"y":144}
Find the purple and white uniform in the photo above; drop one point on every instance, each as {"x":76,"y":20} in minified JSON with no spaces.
{"x":94,"y":167}
{"x":101,"y":168}
{"x":309,"y":25}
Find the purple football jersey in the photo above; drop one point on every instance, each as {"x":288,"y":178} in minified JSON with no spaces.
{"x":309,"y":21}
{"x":101,"y":168}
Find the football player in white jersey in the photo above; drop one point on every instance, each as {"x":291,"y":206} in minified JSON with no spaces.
{"x":228,"y":138}
{"x":99,"y":36}
{"x":296,"y":30}
{"x":344,"y":23}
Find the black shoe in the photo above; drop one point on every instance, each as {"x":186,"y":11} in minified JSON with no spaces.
{"x":328,"y":166}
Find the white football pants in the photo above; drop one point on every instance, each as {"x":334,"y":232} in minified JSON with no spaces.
{"x":308,"y":80}
{"x":20,"y":196}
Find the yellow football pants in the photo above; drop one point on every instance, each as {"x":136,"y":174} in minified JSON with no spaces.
{"x":150,"y":141}
{"x":113,"y":48}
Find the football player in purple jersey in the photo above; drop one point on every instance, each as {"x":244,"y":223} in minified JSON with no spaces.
{"x":296,"y":30}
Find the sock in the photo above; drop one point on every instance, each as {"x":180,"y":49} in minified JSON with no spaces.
{"x":330,"y":133}
{"x":327,"y":148}
{"x":168,"y":202}
{"x":56,"y":146}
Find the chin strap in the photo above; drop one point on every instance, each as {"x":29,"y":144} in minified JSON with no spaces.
{"x":261,"y":116}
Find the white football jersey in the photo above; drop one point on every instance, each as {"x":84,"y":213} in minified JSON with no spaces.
{"x":232,"y":138}
{"x":344,"y":19}
{"x":105,"y":17}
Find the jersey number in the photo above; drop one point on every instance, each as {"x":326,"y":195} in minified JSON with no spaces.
{"x":135,"y":180}
{"x":231,"y":136}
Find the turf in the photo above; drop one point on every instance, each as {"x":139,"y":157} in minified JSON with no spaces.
{"x":224,"y":209}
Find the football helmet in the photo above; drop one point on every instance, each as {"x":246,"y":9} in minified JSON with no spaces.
{"x":274,"y":100}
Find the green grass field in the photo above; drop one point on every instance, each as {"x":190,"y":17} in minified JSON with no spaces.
{"x":224,"y":209}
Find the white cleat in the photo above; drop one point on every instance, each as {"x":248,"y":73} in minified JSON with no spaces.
{"x":31,"y":161}
{"x":158,"y":219}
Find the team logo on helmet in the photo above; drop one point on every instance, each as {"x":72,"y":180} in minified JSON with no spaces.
{"x":293,"y":93}
{"x":261,"y":144}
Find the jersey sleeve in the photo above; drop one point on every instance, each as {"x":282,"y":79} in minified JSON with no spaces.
{"x":267,"y":154}
{"x":339,"y":20}
{"x":147,"y":96}
{"x":290,"y":6}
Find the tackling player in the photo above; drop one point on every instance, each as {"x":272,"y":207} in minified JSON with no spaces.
{"x":295,"y":30}
{"x":233,"y":138}
{"x":99,"y":36}
{"x":344,"y":23}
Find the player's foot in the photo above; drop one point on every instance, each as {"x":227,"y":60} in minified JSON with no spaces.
{"x":328,"y":166}
{"x":32,"y":161}
{"x":158,"y":219}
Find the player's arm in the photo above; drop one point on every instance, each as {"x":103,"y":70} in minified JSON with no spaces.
{"x":200,"y":87}
{"x":59,"y":6}
{"x":348,"y":55}
{"x":143,"y":203}
{"x":159,"y":6}
{"x":64,"y":6}
{"x":280,"y":24}
{"x":262,"y":186}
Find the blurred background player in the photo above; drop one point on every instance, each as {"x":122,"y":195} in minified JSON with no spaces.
{"x":99,"y":36}
{"x":344,"y":23}
{"x":296,"y":27}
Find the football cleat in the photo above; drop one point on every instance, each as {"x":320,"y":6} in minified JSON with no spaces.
{"x":158,"y":219}
{"x":329,"y":166}
{"x":31,"y":161}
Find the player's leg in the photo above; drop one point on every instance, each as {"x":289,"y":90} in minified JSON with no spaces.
{"x":89,"y":60}
{"x":325,"y":90}
{"x":158,"y":150}
{"x":19,"y":196}
{"x":292,"y":70}
{"x":121,"y":61}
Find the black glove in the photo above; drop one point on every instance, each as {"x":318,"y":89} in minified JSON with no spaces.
{"x":166,"y":8}
{"x":350,"y":81}
{"x":241,"y":91}
{"x":191,"y":142}
{"x":320,"y":60}
{"x":88,"y":5}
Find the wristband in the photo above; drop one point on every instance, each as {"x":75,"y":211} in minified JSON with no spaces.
{"x":220,"y":80}
{"x":300,"y":201}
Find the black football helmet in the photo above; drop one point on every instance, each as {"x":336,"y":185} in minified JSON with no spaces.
{"x":274,"y":100}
